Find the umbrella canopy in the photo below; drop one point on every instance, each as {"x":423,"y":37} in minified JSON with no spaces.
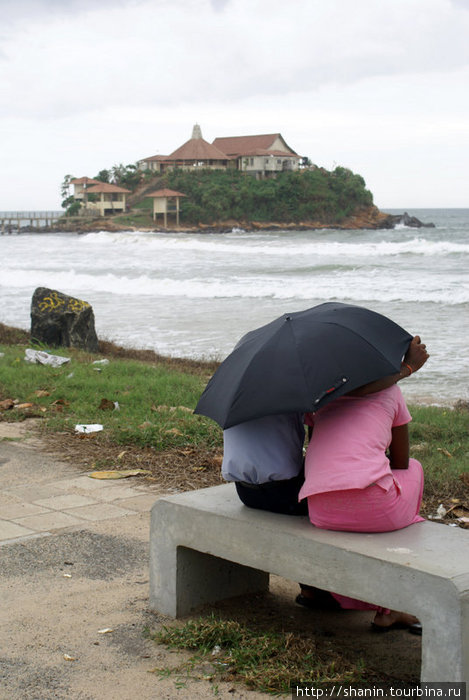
{"x":301,"y":361}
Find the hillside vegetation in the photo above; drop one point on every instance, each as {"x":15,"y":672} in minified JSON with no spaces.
{"x":312,"y":194}
{"x":290,"y":197}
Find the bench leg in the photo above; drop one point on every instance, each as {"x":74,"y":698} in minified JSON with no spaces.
{"x":181,"y":579}
{"x":445,"y":650}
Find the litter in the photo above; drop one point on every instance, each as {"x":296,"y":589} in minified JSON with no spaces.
{"x":90,"y":428}
{"x":40,"y":357}
{"x":101,"y":362}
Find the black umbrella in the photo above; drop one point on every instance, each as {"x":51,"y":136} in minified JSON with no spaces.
{"x":301,"y":361}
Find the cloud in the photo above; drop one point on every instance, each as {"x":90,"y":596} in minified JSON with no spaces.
{"x":166,"y":53}
{"x":366,"y":84}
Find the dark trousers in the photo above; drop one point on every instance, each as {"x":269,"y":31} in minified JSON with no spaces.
{"x":274,"y":496}
{"x":277,"y":497}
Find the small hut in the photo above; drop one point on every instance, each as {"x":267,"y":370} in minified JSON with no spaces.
{"x":166,"y":202}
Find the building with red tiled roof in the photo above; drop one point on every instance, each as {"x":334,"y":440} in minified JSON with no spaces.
{"x":261,"y":154}
{"x":106,"y":198}
{"x":81,"y":186}
{"x":194,"y":153}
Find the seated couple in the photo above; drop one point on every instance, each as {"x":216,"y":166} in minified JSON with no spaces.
{"x":356,"y":476}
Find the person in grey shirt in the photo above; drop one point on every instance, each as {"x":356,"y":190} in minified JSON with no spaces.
{"x":264,"y":457}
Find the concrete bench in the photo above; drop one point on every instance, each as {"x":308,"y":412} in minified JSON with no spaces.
{"x":206,"y":546}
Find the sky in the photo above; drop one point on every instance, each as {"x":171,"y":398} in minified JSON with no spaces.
{"x":377,"y":86}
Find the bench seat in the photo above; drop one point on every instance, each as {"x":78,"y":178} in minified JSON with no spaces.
{"x":206,"y":546}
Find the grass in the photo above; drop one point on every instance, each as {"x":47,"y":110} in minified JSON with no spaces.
{"x":155,"y":402}
{"x":264,"y":659}
{"x":440,"y":440}
{"x":156,"y":397}
{"x":141,"y":219}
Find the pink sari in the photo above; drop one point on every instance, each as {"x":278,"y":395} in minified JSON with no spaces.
{"x":370,"y":510}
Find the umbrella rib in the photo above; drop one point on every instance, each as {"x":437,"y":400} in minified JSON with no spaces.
{"x":363,"y":339}
{"x":300,"y":363}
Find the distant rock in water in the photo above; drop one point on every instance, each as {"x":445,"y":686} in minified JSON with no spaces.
{"x":404,"y":219}
{"x":62,"y":321}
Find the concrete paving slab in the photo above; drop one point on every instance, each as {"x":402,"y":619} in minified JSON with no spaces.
{"x":49,"y":521}
{"x":65,"y":501}
{"x":100,"y":511}
{"x":81,"y":483}
{"x":115,"y":492}
{"x":140,"y":503}
{"x":33,"y":492}
{"x":9,"y":531}
{"x":20,"y":510}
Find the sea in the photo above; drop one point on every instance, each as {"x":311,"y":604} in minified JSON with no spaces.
{"x":194,"y":295}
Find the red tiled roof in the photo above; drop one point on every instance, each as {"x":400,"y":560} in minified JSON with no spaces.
{"x":106,"y":187}
{"x":242,"y":145}
{"x":155,"y":158}
{"x":84,"y":181}
{"x":166,"y":193}
{"x":197,"y":149}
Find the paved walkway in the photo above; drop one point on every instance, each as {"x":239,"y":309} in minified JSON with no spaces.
{"x":36,"y":503}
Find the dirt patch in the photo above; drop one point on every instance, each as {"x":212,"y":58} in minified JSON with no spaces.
{"x":177,"y":469}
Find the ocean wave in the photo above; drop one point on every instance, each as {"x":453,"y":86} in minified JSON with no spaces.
{"x":348,"y":285}
{"x":287,"y":245}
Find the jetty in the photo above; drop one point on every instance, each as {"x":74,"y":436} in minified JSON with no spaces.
{"x":15,"y":221}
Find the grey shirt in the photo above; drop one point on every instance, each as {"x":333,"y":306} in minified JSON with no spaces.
{"x":265,"y":449}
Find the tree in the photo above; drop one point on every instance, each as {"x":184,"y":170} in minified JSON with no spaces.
{"x":65,"y":189}
{"x":126,"y":175}
{"x":103,"y":176}
{"x":74,"y":208}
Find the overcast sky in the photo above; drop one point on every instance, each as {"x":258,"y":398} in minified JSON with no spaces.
{"x":378,"y":86}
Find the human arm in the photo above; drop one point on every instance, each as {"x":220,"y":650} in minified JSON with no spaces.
{"x":399,"y":447}
{"x":414,"y":359}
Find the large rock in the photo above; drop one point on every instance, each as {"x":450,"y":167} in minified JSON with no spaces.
{"x":60,"y":320}
{"x":404,"y":219}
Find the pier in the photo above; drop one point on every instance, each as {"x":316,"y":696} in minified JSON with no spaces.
{"x":14,"y":221}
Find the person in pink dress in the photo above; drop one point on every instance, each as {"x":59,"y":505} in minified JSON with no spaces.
{"x":359,"y":477}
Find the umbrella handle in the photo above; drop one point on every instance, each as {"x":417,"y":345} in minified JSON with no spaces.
{"x":340,"y":382}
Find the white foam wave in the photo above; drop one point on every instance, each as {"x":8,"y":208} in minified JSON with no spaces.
{"x":285,"y":245}
{"x":351,"y":285}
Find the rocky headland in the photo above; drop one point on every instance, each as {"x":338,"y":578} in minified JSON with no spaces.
{"x":370,"y":218}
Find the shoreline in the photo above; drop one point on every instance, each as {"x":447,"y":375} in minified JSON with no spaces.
{"x":368,"y":218}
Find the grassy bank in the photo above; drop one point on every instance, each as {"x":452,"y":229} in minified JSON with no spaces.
{"x":145,"y":403}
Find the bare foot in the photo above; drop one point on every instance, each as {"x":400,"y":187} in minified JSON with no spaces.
{"x":394,"y":619}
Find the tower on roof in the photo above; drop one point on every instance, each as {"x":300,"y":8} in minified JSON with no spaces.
{"x":196,"y":132}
